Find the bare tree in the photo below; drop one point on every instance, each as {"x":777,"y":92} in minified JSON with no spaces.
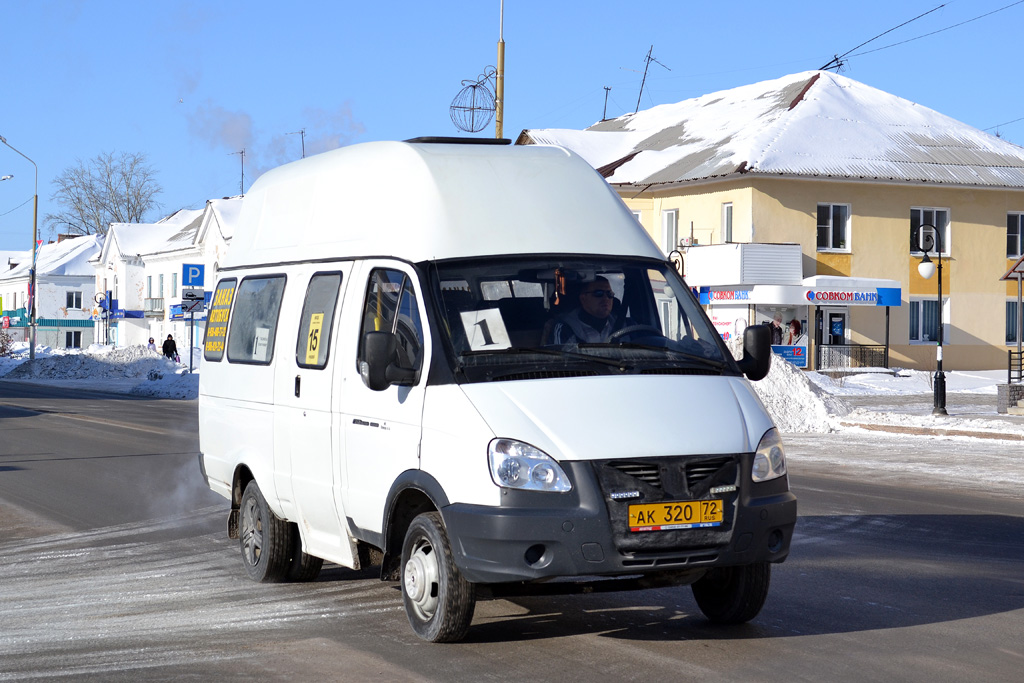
{"x":112,"y":188}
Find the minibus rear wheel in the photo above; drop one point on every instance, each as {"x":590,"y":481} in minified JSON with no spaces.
{"x":733,"y":595}
{"x":265,"y":538}
{"x":438,"y":600}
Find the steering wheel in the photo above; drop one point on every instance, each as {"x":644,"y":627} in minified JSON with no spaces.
{"x":632,"y":329}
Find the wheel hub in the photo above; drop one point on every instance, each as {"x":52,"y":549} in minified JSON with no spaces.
{"x":421,"y":579}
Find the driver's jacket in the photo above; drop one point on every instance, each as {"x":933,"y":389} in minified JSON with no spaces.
{"x":571,"y":330}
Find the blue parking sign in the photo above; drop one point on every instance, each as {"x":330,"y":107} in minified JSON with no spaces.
{"x":192,"y":274}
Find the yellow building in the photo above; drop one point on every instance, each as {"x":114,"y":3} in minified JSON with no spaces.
{"x":849,"y":173}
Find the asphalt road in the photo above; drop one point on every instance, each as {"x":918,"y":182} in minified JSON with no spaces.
{"x":114,"y":566}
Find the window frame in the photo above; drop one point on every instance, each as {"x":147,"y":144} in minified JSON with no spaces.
{"x":727,"y":216}
{"x":1019,"y":216}
{"x":327,"y":325}
{"x":73,"y":299}
{"x":947,"y":232}
{"x":847,"y":229}
{"x":213,"y":318}
{"x":916,"y":302}
{"x":1011,"y":322}
{"x":666,"y":246}
{"x":233,"y":320}
{"x":409,"y":282}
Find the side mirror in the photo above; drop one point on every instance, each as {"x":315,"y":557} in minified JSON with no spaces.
{"x":378,"y":370}
{"x":757,"y":352}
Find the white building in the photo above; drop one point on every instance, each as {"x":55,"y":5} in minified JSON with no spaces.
{"x":141,"y":267}
{"x":66,"y":288}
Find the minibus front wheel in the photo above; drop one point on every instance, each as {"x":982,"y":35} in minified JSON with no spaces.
{"x":438,"y":600}
{"x":733,"y":595}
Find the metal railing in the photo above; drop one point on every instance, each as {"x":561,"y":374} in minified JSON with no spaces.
{"x":153,"y":306}
{"x":840,"y":356}
{"x":1016,"y":373}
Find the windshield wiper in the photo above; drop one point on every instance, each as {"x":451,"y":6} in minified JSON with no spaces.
{"x":517,"y":350}
{"x":717,"y":364}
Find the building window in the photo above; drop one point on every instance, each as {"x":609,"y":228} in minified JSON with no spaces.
{"x":149,"y":286}
{"x":74,"y":300}
{"x":161,"y":285}
{"x":924,"y":320}
{"x":174,"y":285}
{"x":73,"y":340}
{"x":926,"y":216}
{"x":637,"y":214}
{"x":1014,"y":236}
{"x":669,"y":230}
{"x":833,"y":227}
{"x":1011,"y":322}
{"x":727,"y":222}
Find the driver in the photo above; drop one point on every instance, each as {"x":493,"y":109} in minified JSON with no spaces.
{"x":592,"y":321}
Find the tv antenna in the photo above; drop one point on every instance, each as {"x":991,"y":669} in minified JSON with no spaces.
{"x":473,"y":108}
{"x":647,"y":65}
{"x":604,"y":114}
{"x":241,"y":183}
{"x":302,"y":134}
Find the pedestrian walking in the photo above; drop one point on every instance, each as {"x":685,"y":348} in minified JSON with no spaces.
{"x":170,"y":348}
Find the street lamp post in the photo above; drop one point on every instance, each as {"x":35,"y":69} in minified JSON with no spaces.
{"x":32,"y":271}
{"x":931,"y":237}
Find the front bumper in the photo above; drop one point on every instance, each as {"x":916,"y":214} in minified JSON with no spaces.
{"x":536,"y":536}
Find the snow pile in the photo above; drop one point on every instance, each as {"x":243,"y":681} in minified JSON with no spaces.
{"x":795,"y":403}
{"x":132,"y":370}
{"x":128,"y":362}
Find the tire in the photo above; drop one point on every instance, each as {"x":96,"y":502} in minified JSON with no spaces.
{"x":302,"y":567}
{"x":264,"y":538}
{"x":733,"y":595}
{"x":438,"y":600}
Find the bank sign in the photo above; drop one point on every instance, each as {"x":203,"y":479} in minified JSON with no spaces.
{"x":882,"y":296}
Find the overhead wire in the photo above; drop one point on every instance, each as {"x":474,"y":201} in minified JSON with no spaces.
{"x":941,"y":30}
{"x":838,"y":59}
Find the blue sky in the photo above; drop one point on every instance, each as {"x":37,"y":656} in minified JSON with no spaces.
{"x":191,"y":83}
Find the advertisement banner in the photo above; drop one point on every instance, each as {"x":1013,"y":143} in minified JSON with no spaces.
{"x":788,"y":325}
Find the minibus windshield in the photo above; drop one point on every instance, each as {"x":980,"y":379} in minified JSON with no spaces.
{"x":515,"y":315}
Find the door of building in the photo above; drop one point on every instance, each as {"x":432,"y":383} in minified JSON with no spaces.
{"x":835,"y":328}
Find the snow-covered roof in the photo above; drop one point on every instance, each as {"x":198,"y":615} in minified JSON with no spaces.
{"x":15,"y":257}
{"x":225,"y":213}
{"x":810,"y":124}
{"x":68,"y":257}
{"x":176,"y":231}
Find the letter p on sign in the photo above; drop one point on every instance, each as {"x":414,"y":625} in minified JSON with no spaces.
{"x":192,"y":274}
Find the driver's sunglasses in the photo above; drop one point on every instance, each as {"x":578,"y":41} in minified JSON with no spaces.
{"x":602,"y":293}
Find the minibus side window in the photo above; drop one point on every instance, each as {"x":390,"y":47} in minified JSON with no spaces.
{"x":391,"y":306}
{"x":217,"y":320}
{"x":253,"y":324}
{"x":314,"y":343}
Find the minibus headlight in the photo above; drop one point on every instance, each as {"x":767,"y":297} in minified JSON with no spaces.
{"x":770,"y":458}
{"x":518,"y":465}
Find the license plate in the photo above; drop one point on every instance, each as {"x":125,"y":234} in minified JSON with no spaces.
{"x":696,"y":514}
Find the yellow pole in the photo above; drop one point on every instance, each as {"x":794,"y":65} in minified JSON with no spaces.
{"x":499,"y":79}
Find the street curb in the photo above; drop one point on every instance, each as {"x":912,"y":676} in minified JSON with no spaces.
{"x":929,"y":431}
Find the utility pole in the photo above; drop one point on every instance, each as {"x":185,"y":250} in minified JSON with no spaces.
{"x":604,"y":114}
{"x":499,"y":77}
